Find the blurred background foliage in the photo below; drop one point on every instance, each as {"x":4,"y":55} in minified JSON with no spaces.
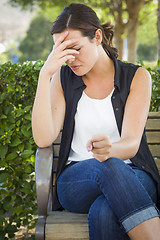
{"x":38,"y":41}
{"x":135,"y":21}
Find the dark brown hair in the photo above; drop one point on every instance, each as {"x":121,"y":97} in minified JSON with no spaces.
{"x":83,"y":18}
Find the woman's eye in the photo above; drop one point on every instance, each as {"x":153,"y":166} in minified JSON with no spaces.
{"x":78,"y":49}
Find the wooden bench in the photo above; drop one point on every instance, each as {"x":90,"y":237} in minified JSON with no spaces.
{"x":56,"y":225}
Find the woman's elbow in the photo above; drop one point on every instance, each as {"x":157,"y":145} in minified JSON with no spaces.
{"x":43,"y":143}
{"x":134,"y":148}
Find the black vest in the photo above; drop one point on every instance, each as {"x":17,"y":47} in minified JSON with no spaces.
{"x":73,"y":87}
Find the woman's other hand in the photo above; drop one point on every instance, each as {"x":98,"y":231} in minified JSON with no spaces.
{"x":100,"y":146}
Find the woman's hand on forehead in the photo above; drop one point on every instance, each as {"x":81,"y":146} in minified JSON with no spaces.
{"x":62,"y":52}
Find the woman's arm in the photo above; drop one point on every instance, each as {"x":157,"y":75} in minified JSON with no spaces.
{"x":135,"y":116}
{"x":48,"y":110}
{"x":49,"y":105}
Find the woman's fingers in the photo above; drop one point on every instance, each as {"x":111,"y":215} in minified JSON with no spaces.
{"x":68,"y":52}
{"x":62,"y":45}
{"x":105,"y":150}
{"x":60,"y":39}
{"x":100,"y":146}
{"x":67,"y":58}
{"x":100,"y":141}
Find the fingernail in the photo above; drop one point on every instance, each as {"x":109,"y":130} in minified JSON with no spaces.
{"x":89,"y":148}
{"x":66,"y":32}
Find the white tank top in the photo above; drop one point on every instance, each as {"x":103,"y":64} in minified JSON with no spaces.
{"x":93,"y":116}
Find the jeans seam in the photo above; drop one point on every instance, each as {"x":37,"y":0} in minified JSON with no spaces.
{"x":69,"y":182}
{"x":90,"y":225}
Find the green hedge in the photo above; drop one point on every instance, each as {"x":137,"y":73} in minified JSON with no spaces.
{"x":155,"y":100}
{"x":17,"y":149}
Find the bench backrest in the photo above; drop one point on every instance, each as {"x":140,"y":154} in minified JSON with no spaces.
{"x":153,"y":135}
{"x":153,"y":139}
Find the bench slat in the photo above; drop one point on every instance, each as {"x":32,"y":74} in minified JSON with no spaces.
{"x":158,"y":163}
{"x":154,"y":115}
{"x":66,"y":226}
{"x":153,"y":137}
{"x":66,"y":232}
{"x":153,"y":124}
{"x":66,"y":217}
{"x":155,"y":150}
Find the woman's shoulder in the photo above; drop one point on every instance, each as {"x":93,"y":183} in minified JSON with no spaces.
{"x":142,"y":78}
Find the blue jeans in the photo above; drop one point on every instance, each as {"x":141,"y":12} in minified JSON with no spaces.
{"x":116,"y":196}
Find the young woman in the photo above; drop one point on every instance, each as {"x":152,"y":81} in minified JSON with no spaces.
{"x":105,"y":167}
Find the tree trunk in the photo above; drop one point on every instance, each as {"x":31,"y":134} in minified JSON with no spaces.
{"x":134,"y":7}
{"x":132,"y":40}
{"x":118,"y":41}
{"x":158,"y":28}
{"x":119,"y":28}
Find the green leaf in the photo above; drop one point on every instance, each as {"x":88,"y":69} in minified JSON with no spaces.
{"x":28,"y":117}
{"x":10,"y":88}
{"x":3,"y":151}
{"x":18,"y":89}
{"x":15,"y":142}
{"x":27,"y":153}
{"x":28,"y":169}
{"x":4,"y":192}
{"x":27,"y":108}
{"x":26,"y":188}
{"x":20,"y":112}
{"x":3,"y":116}
{"x":11,"y":119}
{"x":8,"y":204}
{"x":21,"y":147}
{"x":25,"y":176}
{"x":4,"y":177}
{"x":8,"y":110}
{"x":18,"y":123}
{"x":17,"y":210}
{"x":25,"y":132}
{"x":2,"y":97}
{"x":11,"y":156}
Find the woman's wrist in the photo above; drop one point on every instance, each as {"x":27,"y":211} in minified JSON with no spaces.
{"x":43,"y":75}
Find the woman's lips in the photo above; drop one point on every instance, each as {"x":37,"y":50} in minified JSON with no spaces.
{"x":75,"y":67}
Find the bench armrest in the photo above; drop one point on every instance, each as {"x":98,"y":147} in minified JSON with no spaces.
{"x":43,"y":173}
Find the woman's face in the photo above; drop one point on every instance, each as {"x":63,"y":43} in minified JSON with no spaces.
{"x":88,"y":52}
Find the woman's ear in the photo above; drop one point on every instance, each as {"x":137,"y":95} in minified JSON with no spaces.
{"x":98,"y":36}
